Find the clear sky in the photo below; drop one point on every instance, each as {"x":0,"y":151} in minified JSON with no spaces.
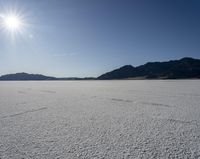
{"x":67,"y":38}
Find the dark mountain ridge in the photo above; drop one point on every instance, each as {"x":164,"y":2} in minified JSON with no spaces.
{"x":185,"y":68}
{"x":175,"y":69}
{"x":25,"y":76}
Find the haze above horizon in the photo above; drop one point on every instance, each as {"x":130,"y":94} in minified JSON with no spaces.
{"x":75,"y":38}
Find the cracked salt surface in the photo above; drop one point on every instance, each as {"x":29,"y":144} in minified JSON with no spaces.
{"x":100,"y":119}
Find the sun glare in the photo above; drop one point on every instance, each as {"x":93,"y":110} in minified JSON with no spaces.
{"x":12,"y":23}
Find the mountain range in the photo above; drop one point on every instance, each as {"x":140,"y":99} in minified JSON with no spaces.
{"x":175,"y":69}
{"x":185,"y":68}
{"x":36,"y":77}
{"x":25,"y":76}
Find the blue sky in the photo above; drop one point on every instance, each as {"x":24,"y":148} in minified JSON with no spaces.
{"x":68,"y":38}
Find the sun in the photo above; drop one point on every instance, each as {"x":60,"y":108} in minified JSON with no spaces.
{"x":15,"y":23}
{"x":12,"y":23}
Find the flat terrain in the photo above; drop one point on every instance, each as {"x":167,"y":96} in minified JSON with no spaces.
{"x":100,"y":119}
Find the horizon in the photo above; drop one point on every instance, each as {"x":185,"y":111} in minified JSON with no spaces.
{"x":30,"y":73}
{"x":86,"y":39}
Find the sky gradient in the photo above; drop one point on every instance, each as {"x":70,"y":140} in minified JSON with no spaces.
{"x":78,"y":38}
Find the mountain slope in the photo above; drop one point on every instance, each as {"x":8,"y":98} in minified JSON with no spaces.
{"x":177,"y":69}
{"x":25,"y":76}
{"x":123,"y":72}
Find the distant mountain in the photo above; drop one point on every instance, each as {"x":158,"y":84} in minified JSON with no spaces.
{"x":25,"y":76}
{"x":184,"y":68}
{"x":176,"y":69}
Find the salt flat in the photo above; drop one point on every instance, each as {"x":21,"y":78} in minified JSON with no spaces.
{"x":100,"y":119}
